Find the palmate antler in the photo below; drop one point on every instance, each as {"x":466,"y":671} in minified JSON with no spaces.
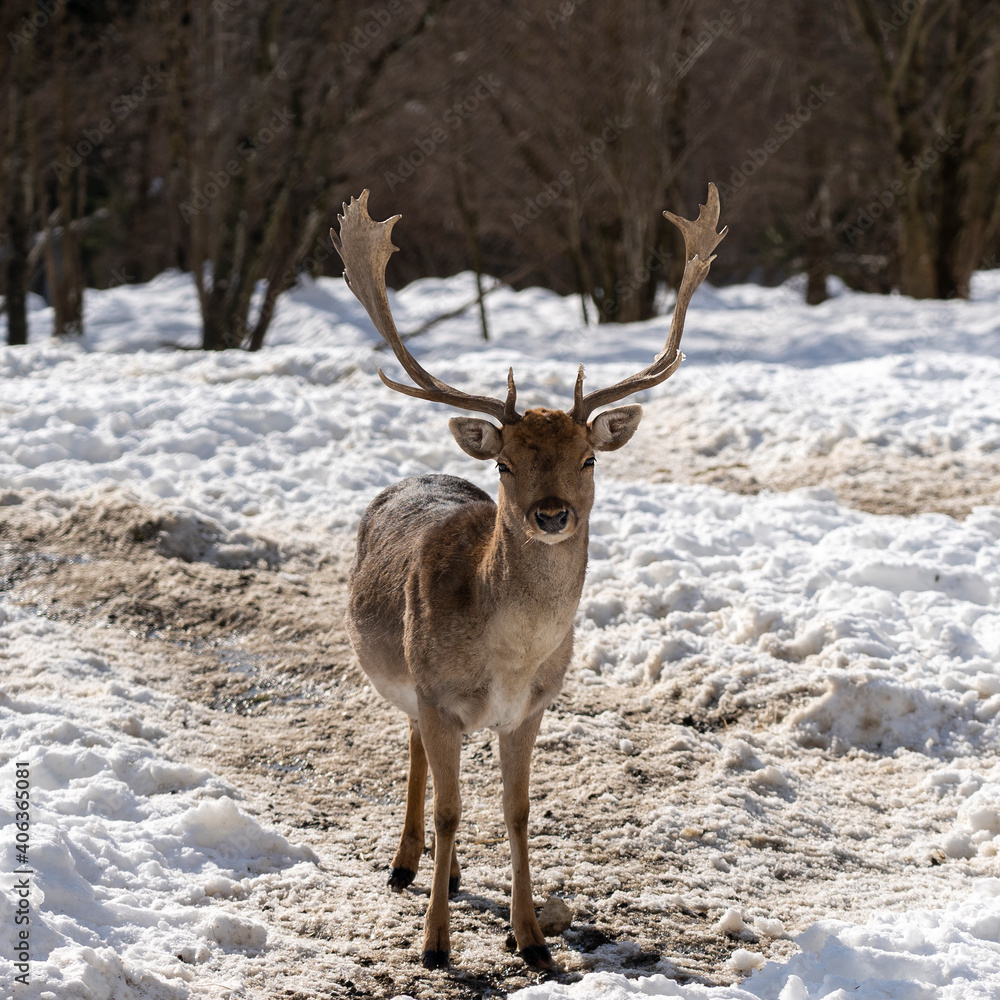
{"x":365,"y":247}
{"x":700,"y":239}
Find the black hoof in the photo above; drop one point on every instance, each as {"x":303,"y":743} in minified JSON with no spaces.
{"x":537,"y":956}
{"x":453,"y":884}
{"x":400,"y":878}
{"x":434,"y":959}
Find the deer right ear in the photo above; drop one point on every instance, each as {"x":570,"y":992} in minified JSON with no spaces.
{"x":478,"y":438}
{"x":613,"y":428}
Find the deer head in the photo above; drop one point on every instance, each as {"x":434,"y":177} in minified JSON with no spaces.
{"x":545,"y":457}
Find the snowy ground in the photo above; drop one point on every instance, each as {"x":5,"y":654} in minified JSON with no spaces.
{"x":777,"y":753}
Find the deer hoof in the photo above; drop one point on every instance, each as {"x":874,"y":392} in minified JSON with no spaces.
{"x":432,"y":959}
{"x":537,"y":956}
{"x":400,"y":878}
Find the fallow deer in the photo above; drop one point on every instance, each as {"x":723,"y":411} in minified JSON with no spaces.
{"x":461,"y":609}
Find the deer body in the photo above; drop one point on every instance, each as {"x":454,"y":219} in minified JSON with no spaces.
{"x":461,"y":609}
{"x":449,"y":598}
{"x":450,"y":616}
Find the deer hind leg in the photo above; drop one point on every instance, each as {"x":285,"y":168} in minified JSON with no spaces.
{"x":515,"y":766}
{"x":411,"y":841}
{"x":443,"y":745}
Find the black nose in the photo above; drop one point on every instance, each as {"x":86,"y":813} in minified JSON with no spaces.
{"x":552,"y":521}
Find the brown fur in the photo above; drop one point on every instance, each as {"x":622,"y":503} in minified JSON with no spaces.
{"x":461,"y":613}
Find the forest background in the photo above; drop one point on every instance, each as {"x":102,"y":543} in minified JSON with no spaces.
{"x":535,"y":142}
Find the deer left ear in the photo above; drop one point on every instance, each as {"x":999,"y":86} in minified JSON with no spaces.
{"x":478,"y":438}
{"x":611,"y":429}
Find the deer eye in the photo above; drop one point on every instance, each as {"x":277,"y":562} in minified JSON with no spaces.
{"x":590,"y":463}
{"x":502,"y":468}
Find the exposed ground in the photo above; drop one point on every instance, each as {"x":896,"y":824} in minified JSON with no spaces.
{"x":280,"y":710}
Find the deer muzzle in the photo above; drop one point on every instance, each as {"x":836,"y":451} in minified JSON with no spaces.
{"x":551,"y":520}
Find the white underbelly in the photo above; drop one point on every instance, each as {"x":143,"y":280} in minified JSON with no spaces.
{"x":402,"y":694}
{"x":505,"y":710}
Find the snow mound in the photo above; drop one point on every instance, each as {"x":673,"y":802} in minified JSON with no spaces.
{"x":947,"y":954}
{"x":132,"y":857}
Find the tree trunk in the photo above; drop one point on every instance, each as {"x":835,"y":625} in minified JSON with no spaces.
{"x":916,"y":258}
{"x":16,"y":276}
{"x":66,"y":280}
{"x":222,"y":325}
{"x":19,"y":177}
{"x":943,"y":233}
{"x":470,"y":217}
{"x":819,"y":232}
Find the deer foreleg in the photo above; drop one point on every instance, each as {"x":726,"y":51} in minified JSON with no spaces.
{"x":442,"y":743}
{"x":411,"y":841}
{"x":515,"y":766}
{"x":454,"y":873}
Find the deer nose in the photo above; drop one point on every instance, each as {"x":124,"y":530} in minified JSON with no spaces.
{"x":552,"y":521}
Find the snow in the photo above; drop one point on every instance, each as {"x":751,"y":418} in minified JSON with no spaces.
{"x":946,"y":954}
{"x":125,"y":845}
{"x":882,"y":631}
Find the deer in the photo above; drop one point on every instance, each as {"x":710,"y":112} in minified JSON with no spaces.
{"x":461,"y":608}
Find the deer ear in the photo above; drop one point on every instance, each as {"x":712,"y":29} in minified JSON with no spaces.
{"x":611,"y":429}
{"x":478,"y":438}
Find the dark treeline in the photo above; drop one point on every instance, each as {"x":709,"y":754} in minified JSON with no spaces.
{"x":536,"y":141}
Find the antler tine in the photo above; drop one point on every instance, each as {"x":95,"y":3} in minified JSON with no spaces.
{"x":700,"y":239}
{"x":365,"y":247}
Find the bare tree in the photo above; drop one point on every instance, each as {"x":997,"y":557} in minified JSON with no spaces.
{"x":534,"y":138}
{"x":17,"y":170}
{"x":597,"y":112}
{"x":61,"y":117}
{"x":939,"y":71}
{"x":64,"y":181}
{"x":262,"y":160}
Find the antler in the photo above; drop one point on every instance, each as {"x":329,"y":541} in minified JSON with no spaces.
{"x":365,"y":247}
{"x":700,"y":239}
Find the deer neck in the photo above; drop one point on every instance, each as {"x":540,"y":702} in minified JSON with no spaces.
{"x":532,"y":574}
